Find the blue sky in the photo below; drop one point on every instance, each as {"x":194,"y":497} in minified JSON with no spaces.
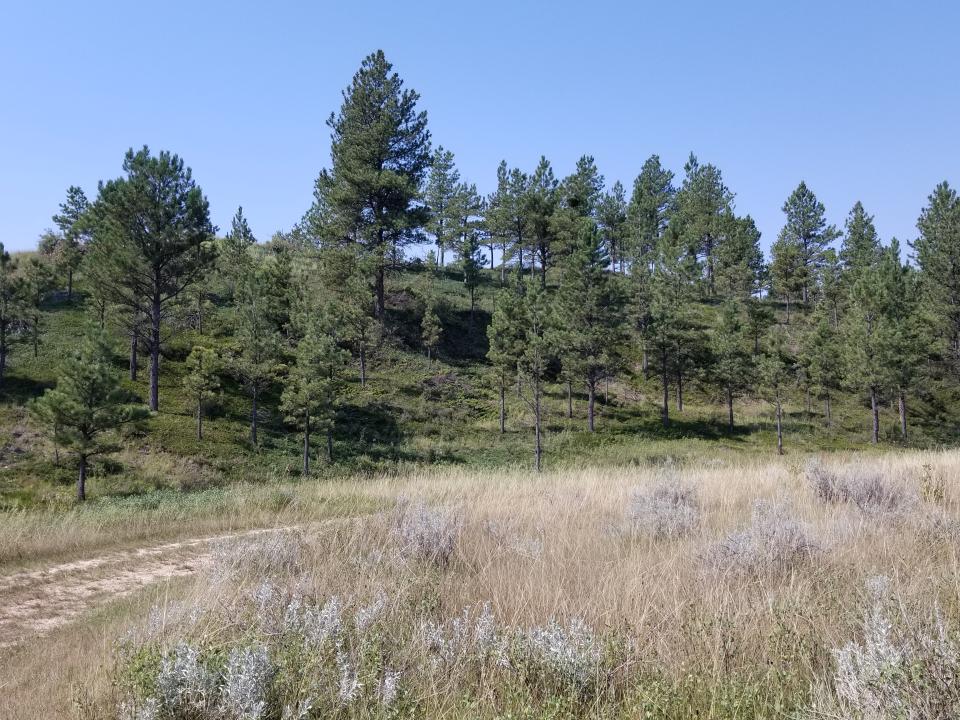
{"x":861,"y":100}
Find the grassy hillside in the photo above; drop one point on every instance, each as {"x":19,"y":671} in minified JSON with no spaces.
{"x":412,"y":412}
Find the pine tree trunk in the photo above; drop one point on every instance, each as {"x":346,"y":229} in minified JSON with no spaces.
{"x":363,"y":365}
{"x":606,"y":390}
{"x":134,"y":367}
{"x":330,"y":445}
{"x":591,"y":403}
{"x":875,"y":412}
{"x":569,"y":400}
{"x":253,"y":419}
{"x":69,"y":284}
{"x":645,"y":365}
{"x":306,"y":445}
{"x":82,"y":479}
{"x":36,"y":337}
{"x":902,"y":407}
{"x":679,"y":390}
{"x":200,"y":313}
{"x":665,"y":411}
{"x":730,"y":408}
{"x":779,"y":427}
{"x":503,"y":407}
{"x":828,"y":410}
{"x":788,"y":309}
{"x":805,"y":294}
{"x":538,"y":448}
{"x":155,"y":354}
{"x":380,"y":290}
{"x":199,"y":418}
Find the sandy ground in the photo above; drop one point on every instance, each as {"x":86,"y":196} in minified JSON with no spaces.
{"x":34,"y":602}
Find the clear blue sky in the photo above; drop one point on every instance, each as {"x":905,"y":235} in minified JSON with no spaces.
{"x":860,"y":99}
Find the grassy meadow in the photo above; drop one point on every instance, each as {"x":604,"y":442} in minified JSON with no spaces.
{"x":715,"y":588}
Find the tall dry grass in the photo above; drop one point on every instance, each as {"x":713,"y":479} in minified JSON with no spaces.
{"x":554,"y":596}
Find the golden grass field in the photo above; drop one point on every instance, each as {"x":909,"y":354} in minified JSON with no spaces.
{"x":635,"y":592}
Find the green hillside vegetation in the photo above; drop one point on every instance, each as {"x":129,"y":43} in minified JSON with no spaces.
{"x":554,"y":322}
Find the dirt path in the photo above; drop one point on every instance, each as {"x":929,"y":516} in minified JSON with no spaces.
{"x":35,"y":602}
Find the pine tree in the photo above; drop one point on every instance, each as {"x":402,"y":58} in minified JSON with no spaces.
{"x":577,"y":198}
{"x":703,"y":206}
{"x":380,"y":154}
{"x":86,"y":405}
{"x":74,"y":233}
{"x":759,"y":319}
{"x":938,"y":256}
{"x":343,"y":274}
{"x":669,"y":331}
{"x":468,"y":208}
{"x":822,"y":357}
{"x":440,"y":195}
{"x":37,"y":280}
{"x":234,"y":255}
{"x":860,"y":248}
{"x":866,"y":332}
{"x":739,"y":269}
{"x":430,"y":330}
{"x":612,"y":219}
{"x":786,"y":271}
{"x":534,"y":358}
{"x":151,"y":241}
{"x":507,"y":218}
{"x":255,"y":358}
{"x":541,"y":204}
{"x":202,"y":380}
{"x":774,"y":370}
{"x":505,"y":336}
{"x":313,"y":387}
{"x":589,"y":326}
{"x":807,"y":233}
{"x":650,"y":207}
{"x":11,"y":306}
{"x":732,"y":367}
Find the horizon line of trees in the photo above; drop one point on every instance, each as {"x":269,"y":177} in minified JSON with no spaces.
{"x":593,"y":284}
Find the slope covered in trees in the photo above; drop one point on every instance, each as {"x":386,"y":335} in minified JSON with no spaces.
{"x":406,"y":318}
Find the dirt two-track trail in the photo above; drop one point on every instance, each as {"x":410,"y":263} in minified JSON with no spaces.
{"x":35,"y":602}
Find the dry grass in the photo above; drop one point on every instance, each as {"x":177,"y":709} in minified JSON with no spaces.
{"x":589,"y":619}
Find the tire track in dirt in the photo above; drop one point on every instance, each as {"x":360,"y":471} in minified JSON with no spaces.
{"x":35,"y":602}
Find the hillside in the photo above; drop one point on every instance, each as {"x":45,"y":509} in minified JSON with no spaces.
{"x":412,"y":411}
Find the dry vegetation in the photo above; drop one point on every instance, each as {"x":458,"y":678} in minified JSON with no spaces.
{"x":750,"y":589}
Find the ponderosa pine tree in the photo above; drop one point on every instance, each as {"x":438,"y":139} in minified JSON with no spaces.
{"x":202,"y":380}
{"x":313,"y":387}
{"x":440,"y":195}
{"x":807,"y":233}
{"x":786,"y":271}
{"x":578,"y":197}
{"x":541,"y":204}
{"x":866,"y":329}
{"x":589,"y":327}
{"x":668,"y":332}
{"x":612,"y":219}
{"x":649,"y":210}
{"x":86,"y":405}
{"x":732,"y":363}
{"x":759,"y":319}
{"x":938,"y":256}
{"x":860,"y":247}
{"x":534,"y":358}
{"x":254,"y":360}
{"x":234,"y":255}
{"x":74,"y":233}
{"x":703,"y":205}
{"x":11,"y":305}
{"x":774,"y":369}
{"x":821,"y":355}
{"x":431,"y":330}
{"x":37,"y":280}
{"x":152,"y":239}
{"x":505,"y":336}
{"x":738,"y":260}
{"x":380,"y":154}
{"x":831,"y":285}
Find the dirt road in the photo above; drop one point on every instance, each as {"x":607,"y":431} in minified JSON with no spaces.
{"x":35,"y":602}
